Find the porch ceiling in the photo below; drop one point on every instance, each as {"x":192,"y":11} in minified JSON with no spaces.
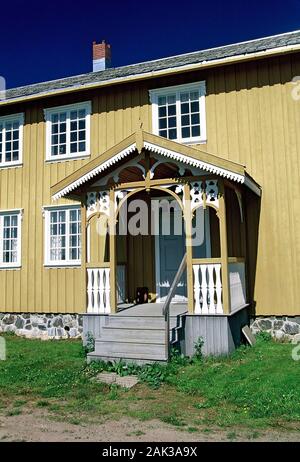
{"x":171,"y":150}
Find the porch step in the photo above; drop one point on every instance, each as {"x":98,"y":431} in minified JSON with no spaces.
{"x":146,"y":322}
{"x":129,"y":349}
{"x":134,"y":338}
{"x":137,"y":359}
{"x":119,"y":334}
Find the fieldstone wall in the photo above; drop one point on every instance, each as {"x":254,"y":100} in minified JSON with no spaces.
{"x":43,"y":326}
{"x":285,"y":328}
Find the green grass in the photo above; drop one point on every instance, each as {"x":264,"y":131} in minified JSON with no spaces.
{"x":253,"y":388}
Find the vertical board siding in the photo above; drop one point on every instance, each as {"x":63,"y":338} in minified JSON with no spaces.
{"x":251,"y":119}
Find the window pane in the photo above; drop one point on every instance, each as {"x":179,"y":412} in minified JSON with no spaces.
{"x":162,"y":111}
{"x":195,"y":119}
{"x":172,"y":134}
{"x":196,"y":130}
{"x":163,"y":123}
{"x":185,"y":120}
{"x":195,"y":106}
{"x":185,"y":108}
{"x":185,"y":132}
{"x":163,"y":133}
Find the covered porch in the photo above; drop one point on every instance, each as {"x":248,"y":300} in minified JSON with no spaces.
{"x":200,"y":199}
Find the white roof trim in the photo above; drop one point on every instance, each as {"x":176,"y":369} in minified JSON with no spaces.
{"x":233,"y":176}
{"x":195,"y":163}
{"x":95,"y":171}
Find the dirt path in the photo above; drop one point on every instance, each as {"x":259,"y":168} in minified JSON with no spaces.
{"x":37,"y":426}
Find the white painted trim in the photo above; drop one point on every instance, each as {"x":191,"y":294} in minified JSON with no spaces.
{"x":17,"y":264}
{"x":48,"y":112}
{"x":195,"y":163}
{"x":196,"y":86}
{"x":13,"y":118}
{"x":57,"y":263}
{"x":105,"y":165}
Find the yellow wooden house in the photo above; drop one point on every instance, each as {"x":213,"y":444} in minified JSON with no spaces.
{"x":206,"y":143}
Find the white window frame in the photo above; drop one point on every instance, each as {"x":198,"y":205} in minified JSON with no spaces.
{"x":13,"y":118}
{"x":15,"y":264}
{"x":87,"y":105}
{"x":196,"y":86}
{"x":48,"y":261}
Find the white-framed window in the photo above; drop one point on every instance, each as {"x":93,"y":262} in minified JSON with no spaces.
{"x":68,"y":131}
{"x":178,"y":113}
{"x":10,"y":238}
{"x":62,"y":236}
{"x":11,"y":140}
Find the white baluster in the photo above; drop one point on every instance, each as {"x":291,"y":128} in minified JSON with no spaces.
{"x":90,"y":291}
{"x":96,"y":290}
{"x":197,"y":288}
{"x":219,"y":307}
{"x":211,"y":287}
{"x":101,"y":290}
{"x":107,"y":290}
{"x":204,"y":289}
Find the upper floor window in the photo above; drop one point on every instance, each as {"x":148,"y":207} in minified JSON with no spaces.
{"x":11,"y":140}
{"x":178,"y":113}
{"x":68,"y":131}
{"x":63,"y":235}
{"x":10,"y":241}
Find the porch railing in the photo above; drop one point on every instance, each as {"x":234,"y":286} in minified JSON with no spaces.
{"x":208,"y":286}
{"x":208,"y":290}
{"x":98,"y":289}
{"x":166,"y":305}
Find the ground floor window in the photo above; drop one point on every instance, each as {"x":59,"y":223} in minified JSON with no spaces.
{"x":10,"y":243}
{"x":63,"y":236}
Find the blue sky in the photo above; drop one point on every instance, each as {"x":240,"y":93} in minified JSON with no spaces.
{"x":46,"y":40}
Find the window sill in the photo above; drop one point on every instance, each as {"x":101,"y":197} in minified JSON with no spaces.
{"x":62,"y":265}
{"x":11,"y":165}
{"x":13,"y":267}
{"x":66,"y":158}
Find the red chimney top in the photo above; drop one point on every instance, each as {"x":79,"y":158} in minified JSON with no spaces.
{"x":101,"y":55}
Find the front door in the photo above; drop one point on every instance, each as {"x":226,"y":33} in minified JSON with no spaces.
{"x":169,"y":250}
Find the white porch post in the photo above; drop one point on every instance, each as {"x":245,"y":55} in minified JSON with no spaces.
{"x":224,"y":249}
{"x":112,"y":251}
{"x":189,"y":248}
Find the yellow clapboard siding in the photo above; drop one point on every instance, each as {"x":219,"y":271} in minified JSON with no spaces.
{"x":251,"y":119}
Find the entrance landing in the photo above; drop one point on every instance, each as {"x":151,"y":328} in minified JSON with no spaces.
{"x":150,"y":309}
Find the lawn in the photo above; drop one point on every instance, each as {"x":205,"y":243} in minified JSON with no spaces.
{"x":254,"y":388}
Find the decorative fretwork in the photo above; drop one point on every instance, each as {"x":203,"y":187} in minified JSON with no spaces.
{"x":91,"y":203}
{"x":204,"y":191}
{"x":104,"y":202}
{"x":196,"y":193}
{"x":97,"y":202}
{"x":212,"y":191}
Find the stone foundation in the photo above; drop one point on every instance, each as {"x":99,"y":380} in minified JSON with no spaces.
{"x":43,"y":326}
{"x":284,"y":328}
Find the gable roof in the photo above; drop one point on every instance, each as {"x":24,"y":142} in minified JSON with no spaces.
{"x":162,"y":146}
{"x":229,"y":53}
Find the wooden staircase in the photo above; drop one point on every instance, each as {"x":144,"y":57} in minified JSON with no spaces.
{"x":137,"y":338}
{"x":143,"y":333}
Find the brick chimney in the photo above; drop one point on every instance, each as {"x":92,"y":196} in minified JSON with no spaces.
{"x":101,"y":56}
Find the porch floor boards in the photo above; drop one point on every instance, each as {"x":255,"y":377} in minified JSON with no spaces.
{"x":150,"y":309}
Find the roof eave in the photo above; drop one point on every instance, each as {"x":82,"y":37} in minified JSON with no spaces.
{"x":158,"y":73}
